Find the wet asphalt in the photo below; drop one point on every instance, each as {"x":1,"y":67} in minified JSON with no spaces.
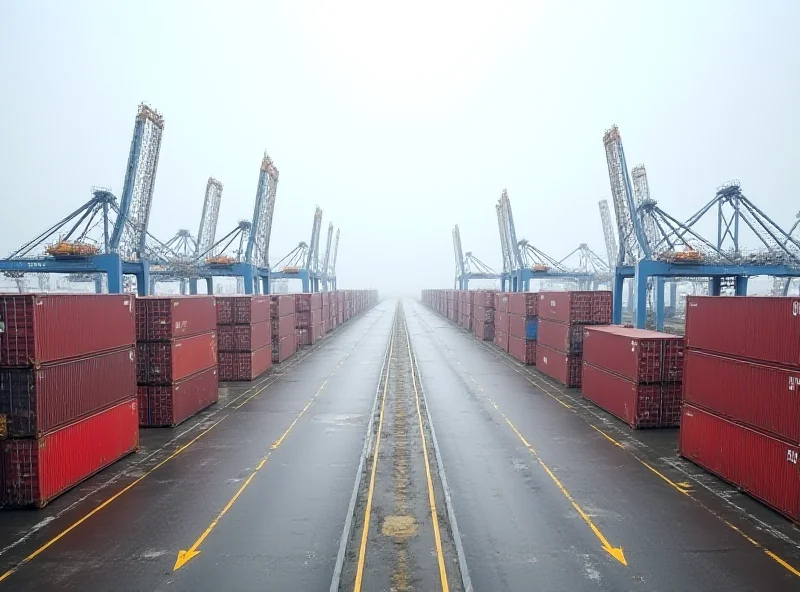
{"x":260,"y":487}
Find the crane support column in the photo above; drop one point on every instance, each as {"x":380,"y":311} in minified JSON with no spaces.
{"x":659,"y":302}
{"x":715,"y":286}
{"x":640,"y":300}
{"x":616,"y":292}
{"x":741,"y":285}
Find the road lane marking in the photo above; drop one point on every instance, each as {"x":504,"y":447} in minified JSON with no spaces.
{"x":80,"y":521}
{"x":431,"y":497}
{"x":362,"y":550}
{"x":184,"y":556}
{"x":266,"y":382}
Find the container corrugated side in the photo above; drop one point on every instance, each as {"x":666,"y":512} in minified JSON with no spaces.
{"x":637,"y":354}
{"x":563,"y":367}
{"x":726,"y":325}
{"x":33,"y":402}
{"x":168,"y":406}
{"x":525,"y":304}
{"x":501,"y":339}
{"x":522,"y":350}
{"x":38,"y":470}
{"x":244,"y":365}
{"x":518,"y":325}
{"x":560,"y":337}
{"x":638,"y":405}
{"x":284,"y":348}
{"x":161,"y":318}
{"x":763,"y":466}
{"x":532,"y":328}
{"x":501,"y":321}
{"x":282,"y":305}
{"x":162,"y":363}
{"x":762,"y":396}
{"x":576,"y":307}
{"x":483,"y":330}
{"x":40,"y":328}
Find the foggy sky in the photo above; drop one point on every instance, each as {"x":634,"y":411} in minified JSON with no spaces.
{"x":399,"y":122}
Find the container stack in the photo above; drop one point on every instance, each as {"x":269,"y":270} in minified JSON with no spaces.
{"x":244,"y":337}
{"x":523,"y":325}
{"x":284,"y":344}
{"x":741,"y":406}
{"x":465,"y":310}
{"x":327,"y":326}
{"x":67,"y":391}
{"x":634,"y":374}
{"x":308,"y":317}
{"x":562,"y":317}
{"x":501,"y":320}
{"x":484,"y":315}
{"x":176,"y":358}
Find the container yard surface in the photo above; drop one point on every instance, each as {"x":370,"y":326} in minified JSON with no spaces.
{"x":468,"y":469}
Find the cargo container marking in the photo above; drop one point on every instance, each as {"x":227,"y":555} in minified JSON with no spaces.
{"x":184,"y":556}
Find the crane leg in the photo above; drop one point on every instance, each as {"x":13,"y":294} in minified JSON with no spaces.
{"x":616,"y":290}
{"x":640,"y":302}
{"x":659,"y":303}
{"x":715,"y":286}
{"x":741,"y":285}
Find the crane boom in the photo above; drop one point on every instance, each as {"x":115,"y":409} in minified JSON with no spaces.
{"x":130,"y":229}
{"x":313,"y":245}
{"x":327,"y":259}
{"x":335,"y":253}
{"x":641,"y":194}
{"x":511,"y":232}
{"x":503,"y":239}
{"x":261,"y":228}
{"x":459,"y":253}
{"x":608,"y":233}
{"x":208,"y":221}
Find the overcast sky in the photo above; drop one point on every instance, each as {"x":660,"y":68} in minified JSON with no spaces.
{"x":399,"y":122}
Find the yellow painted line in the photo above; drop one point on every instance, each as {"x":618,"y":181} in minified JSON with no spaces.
{"x":362,"y":550}
{"x":769,"y":553}
{"x":432,"y":499}
{"x":80,"y":521}
{"x":606,"y":436}
{"x":184,"y":556}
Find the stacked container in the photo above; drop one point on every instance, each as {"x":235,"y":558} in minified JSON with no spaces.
{"x":244,"y":337}
{"x":484,"y":319}
{"x":176,"y":358}
{"x":562,"y":317}
{"x":634,"y":374}
{"x":308,"y":316}
{"x":523,"y":325}
{"x":282,"y":319}
{"x":465,"y":310}
{"x":741,"y":411}
{"x":67,"y":391}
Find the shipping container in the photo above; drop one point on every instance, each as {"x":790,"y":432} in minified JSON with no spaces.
{"x":168,"y":406}
{"x":243,"y":310}
{"x":565,"y":368}
{"x":560,"y":337}
{"x":484,"y":298}
{"x":244,"y":338}
{"x":244,"y":365}
{"x":727,"y":325}
{"x":39,"y":328}
{"x":162,"y":318}
{"x":523,"y":327}
{"x":38,"y":470}
{"x":162,"y":363}
{"x":636,"y":354}
{"x":638,"y":405}
{"x":758,"y":463}
{"x":283,"y":348}
{"x":286,"y":325}
{"x":586,"y":307}
{"x":501,"y":302}
{"x":501,"y":339}
{"x":522,"y":350}
{"x":282,"y":305}
{"x":759,"y":395}
{"x":501,"y":321}
{"x":532,"y":328}
{"x":486,"y":315}
{"x":36,"y":401}
{"x":484,"y":331}
{"x":524,"y":304}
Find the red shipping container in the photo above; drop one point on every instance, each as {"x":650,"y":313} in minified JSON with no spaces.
{"x":35,"y":401}
{"x":305,"y":302}
{"x":522,"y":350}
{"x":565,"y":368}
{"x":524,"y":304}
{"x":162,"y":363}
{"x":244,"y":365}
{"x":760,"y":464}
{"x":484,"y":298}
{"x":636,"y":354}
{"x":286,"y":325}
{"x":168,"y":406}
{"x":517,"y":325}
{"x":281,"y":305}
{"x":759,"y":328}
{"x":638,"y":405}
{"x":40,"y":328}
{"x":326,"y":299}
{"x":283,"y":349}
{"x":561,"y":337}
{"x":484,"y":331}
{"x":487,"y":315}
{"x":671,"y":404}
{"x":161,"y":318}
{"x":501,"y":301}
{"x":501,"y":321}
{"x":38,"y":470}
{"x":244,"y":338}
{"x":586,"y":307}
{"x":243,"y":310}
{"x":764,"y":397}
{"x":316,"y":316}
{"x":501,"y":339}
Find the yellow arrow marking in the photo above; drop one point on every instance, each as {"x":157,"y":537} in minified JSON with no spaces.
{"x":185,"y":556}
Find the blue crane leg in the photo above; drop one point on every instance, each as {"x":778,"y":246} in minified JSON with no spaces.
{"x":143,"y":279}
{"x":616,"y":291}
{"x":659,"y":302}
{"x":111,"y":264}
{"x":715,"y":286}
{"x":209,"y":285}
{"x":192,"y":286}
{"x":741,"y":285}
{"x":247,"y":274}
{"x":640,"y":282}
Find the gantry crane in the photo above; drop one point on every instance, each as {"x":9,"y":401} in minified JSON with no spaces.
{"x":91,"y":240}
{"x":324,"y":271}
{"x":608,"y":234}
{"x":332,"y":276}
{"x":302,"y":262}
{"x":208,"y":220}
{"x":468,"y":266}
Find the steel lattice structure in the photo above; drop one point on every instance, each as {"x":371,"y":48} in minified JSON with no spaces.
{"x":258,"y":245}
{"x":608,"y":233}
{"x":208,"y":220}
